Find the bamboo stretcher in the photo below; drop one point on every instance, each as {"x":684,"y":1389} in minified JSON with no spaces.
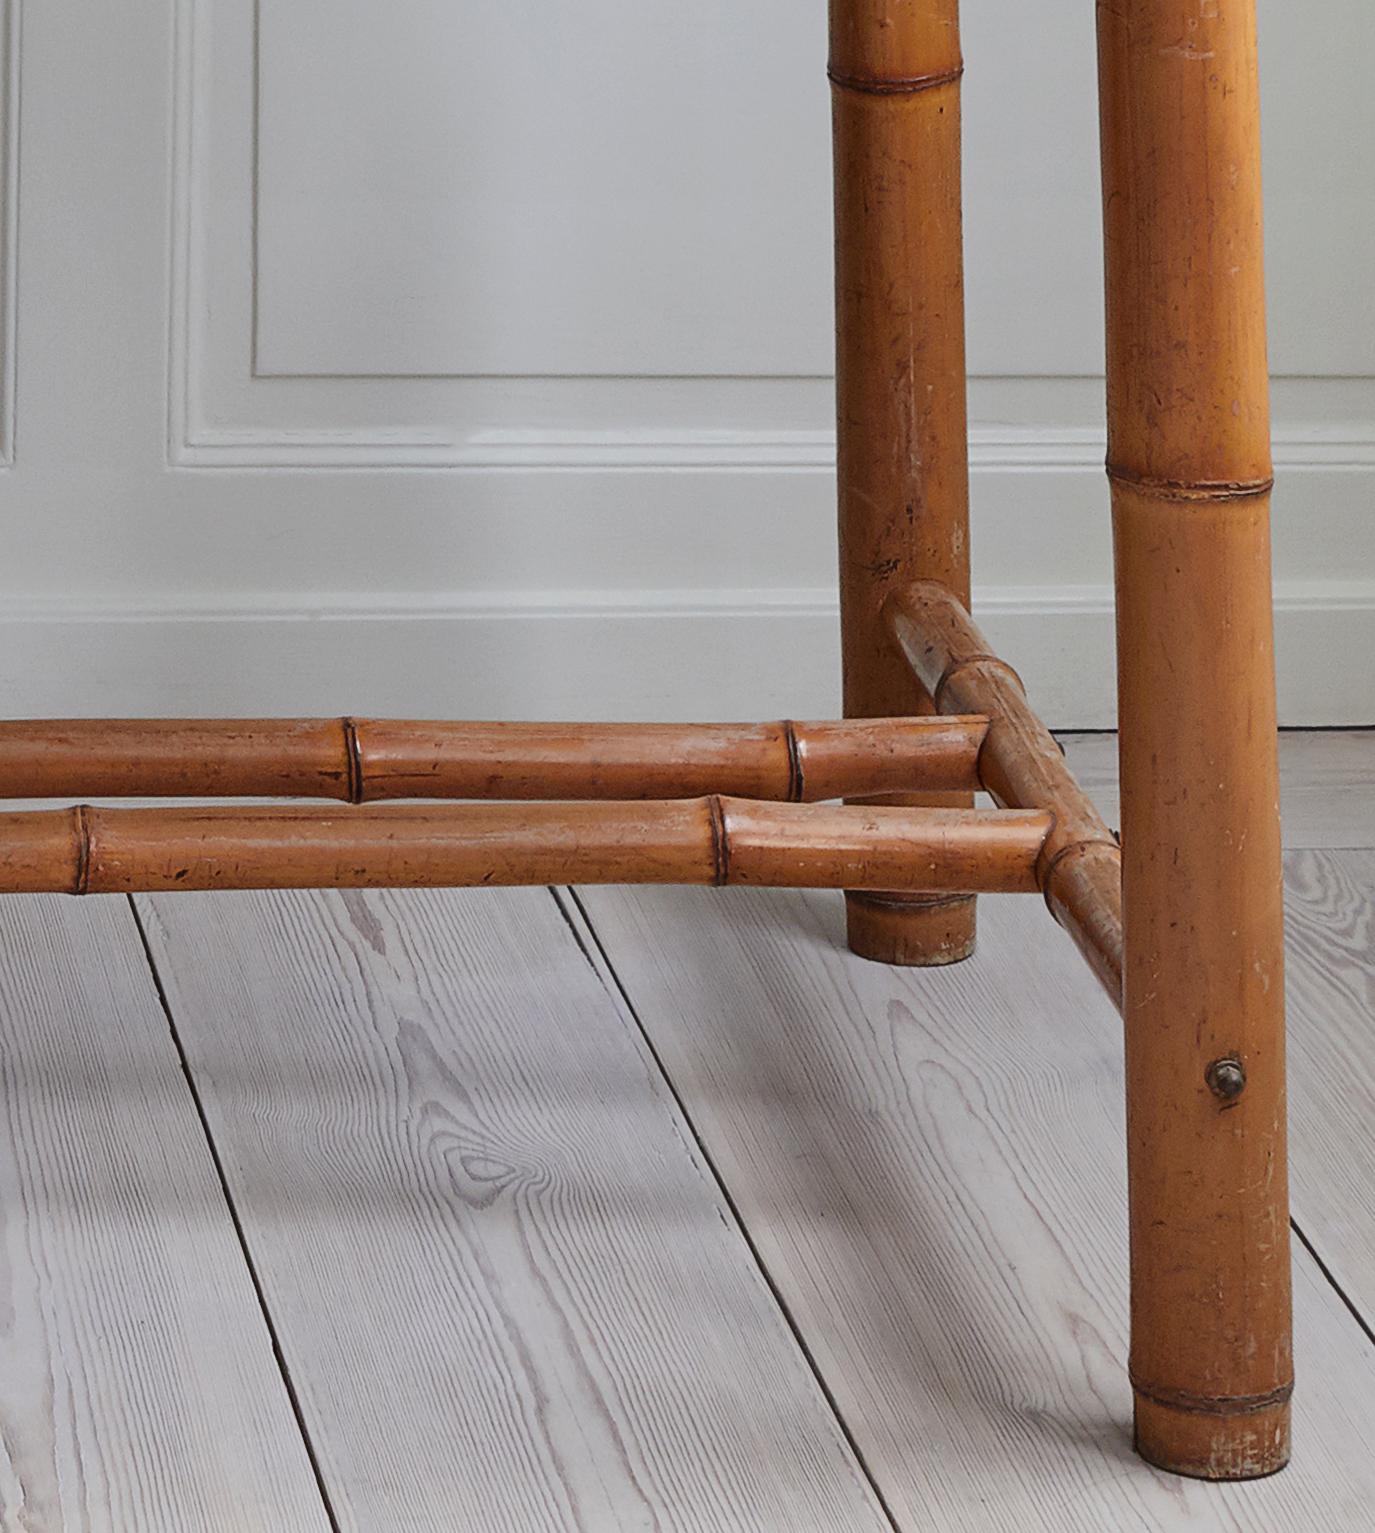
{"x":713,"y":840}
{"x":1180,"y":920}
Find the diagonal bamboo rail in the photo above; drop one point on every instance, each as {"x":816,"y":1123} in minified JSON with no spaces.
{"x":361,"y":760}
{"x":1080,"y":868}
{"x":711,"y":840}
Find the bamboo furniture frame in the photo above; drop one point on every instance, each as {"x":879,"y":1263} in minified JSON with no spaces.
{"x":1181,"y":922}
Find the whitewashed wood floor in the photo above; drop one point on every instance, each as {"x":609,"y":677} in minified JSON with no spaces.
{"x":619,"y":1209}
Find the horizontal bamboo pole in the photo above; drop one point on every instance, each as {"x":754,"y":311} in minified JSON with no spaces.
{"x":369,"y":759}
{"x":712,"y":840}
{"x":1080,"y":866}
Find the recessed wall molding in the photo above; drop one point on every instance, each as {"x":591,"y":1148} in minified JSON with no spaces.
{"x":576,"y":467}
{"x":1047,"y":448}
{"x":225,"y":411}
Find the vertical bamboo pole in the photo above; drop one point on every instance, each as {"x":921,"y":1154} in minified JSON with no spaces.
{"x":1189,"y":460}
{"x":903,"y":470}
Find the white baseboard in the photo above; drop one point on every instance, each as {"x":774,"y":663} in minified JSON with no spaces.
{"x":732,"y":654}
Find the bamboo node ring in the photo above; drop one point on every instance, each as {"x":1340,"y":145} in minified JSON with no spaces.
{"x":81,"y":878}
{"x":904,"y":901}
{"x":1213,"y":1405}
{"x":720,"y":841}
{"x":1210,"y":491}
{"x":895,"y":85}
{"x":353,"y":760}
{"x":796,"y":774}
{"x":963,"y":662}
{"x":1084,"y":844}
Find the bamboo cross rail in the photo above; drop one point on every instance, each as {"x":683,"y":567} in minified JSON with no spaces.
{"x":358,"y":760}
{"x":1080,"y":868}
{"x":711,"y":840}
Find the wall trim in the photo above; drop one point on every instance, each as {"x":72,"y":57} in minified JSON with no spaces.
{"x":991,"y":449}
{"x":631,"y":654}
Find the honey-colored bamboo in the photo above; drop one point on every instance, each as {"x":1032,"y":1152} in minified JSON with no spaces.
{"x":1080,"y":868}
{"x":361,"y":760}
{"x":900,"y":376}
{"x":712,"y":840}
{"x":1189,"y":461}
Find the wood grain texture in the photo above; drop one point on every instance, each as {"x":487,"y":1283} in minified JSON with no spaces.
{"x":1330,"y":912}
{"x":509,"y":1293}
{"x":138,"y":1391}
{"x":933,"y":1169}
{"x":1327,"y":783}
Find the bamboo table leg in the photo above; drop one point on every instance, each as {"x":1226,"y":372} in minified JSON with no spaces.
{"x":902,"y":458}
{"x":1203,"y":986}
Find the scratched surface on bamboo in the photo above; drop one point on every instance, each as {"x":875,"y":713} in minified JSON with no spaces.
{"x":932,"y":1166}
{"x":509,"y":1294}
{"x":138,"y":1391}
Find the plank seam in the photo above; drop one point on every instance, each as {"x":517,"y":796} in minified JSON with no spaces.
{"x":260,"y":1293}
{"x":714,"y":1171}
{"x":1331,"y":1278}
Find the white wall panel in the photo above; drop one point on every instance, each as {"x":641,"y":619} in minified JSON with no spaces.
{"x":555,"y":188}
{"x":9,"y":220}
{"x":1318,"y":133}
{"x":484,"y":346}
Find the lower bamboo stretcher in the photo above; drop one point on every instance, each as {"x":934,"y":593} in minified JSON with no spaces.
{"x":711,"y":840}
{"x":684,"y":803}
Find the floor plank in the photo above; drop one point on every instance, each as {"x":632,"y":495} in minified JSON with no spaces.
{"x":1331,"y":991}
{"x":1327,"y":783}
{"x":138,"y":1389}
{"x":508,"y":1291}
{"x":932,"y":1166}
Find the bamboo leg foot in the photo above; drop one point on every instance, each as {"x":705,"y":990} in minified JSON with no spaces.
{"x":920,"y":933}
{"x":1240,"y":1444}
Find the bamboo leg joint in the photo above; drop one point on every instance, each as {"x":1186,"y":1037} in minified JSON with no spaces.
{"x":1207,"y":491}
{"x":797,"y":783}
{"x":720,"y":840}
{"x":353,"y":762}
{"x":81,"y":838}
{"x":1213,"y":1405}
{"x":893,"y":85}
{"x":984,"y":662}
{"x":1020,"y":763}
